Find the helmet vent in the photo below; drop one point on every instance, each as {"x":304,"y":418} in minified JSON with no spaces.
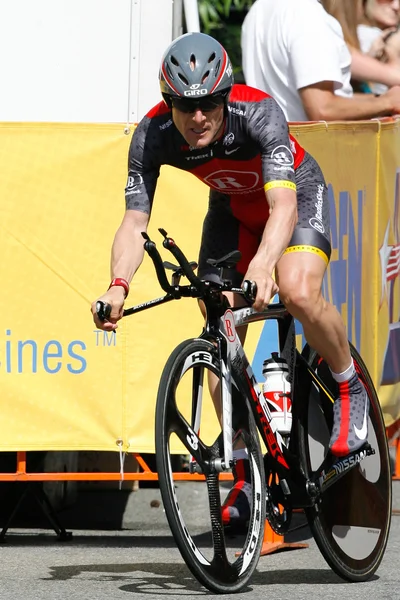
{"x":183,"y":79}
{"x":192,"y":62}
{"x":205,"y":77}
{"x":170,"y":74}
{"x":217,"y":68}
{"x":212,"y":57}
{"x":174,"y":61}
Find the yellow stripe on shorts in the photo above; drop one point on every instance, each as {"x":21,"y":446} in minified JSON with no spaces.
{"x":280,"y":184}
{"x":304,"y":248}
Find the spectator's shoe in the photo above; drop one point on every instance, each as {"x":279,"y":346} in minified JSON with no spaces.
{"x":236,"y":508}
{"x":350,"y":417}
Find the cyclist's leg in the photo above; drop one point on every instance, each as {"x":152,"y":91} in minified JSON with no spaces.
{"x":236,"y":507}
{"x":223,"y":233}
{"x":300,"y":272}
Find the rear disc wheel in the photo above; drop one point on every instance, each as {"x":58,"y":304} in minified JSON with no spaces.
{"x":351,"y":522}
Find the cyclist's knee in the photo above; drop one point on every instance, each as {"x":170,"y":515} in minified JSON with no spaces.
{"x":202,"y":308}
{"x":302,"y":299}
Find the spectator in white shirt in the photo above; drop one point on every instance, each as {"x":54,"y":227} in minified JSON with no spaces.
{"x":295,"y":51}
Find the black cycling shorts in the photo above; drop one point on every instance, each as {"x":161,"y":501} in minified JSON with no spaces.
{"x":223,"y":232}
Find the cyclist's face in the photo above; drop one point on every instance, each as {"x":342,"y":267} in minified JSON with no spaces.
{"x":200,"y":127}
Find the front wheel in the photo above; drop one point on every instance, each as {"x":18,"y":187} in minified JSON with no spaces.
{"x":186,"y":426}
{"x":351,"y":522}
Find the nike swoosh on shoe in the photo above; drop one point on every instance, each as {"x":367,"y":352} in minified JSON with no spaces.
{"x":362,"y":433}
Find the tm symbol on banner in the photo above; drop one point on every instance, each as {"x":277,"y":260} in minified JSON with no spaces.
{"x":105,"y":338}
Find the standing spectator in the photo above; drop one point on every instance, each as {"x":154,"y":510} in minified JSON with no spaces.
{"x":364,"y":68}
{"x":295,"y":51}
{"x":379,"y":34}
{"x":378,"y":21}
{"x":347,"y":12}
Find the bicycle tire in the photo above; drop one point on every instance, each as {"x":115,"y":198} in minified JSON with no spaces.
{"x":351,"y":522}
{"x":214,"y":570}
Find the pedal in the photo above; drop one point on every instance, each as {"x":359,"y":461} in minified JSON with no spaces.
{"x":194,"y":467}
{"x":357,"y":456}
{"x":343,"y":464}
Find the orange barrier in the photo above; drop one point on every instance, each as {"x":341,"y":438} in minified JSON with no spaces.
{"x":21,"y":474}
{"x":273,"y":542}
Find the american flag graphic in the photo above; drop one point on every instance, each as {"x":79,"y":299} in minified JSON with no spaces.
{"x":393,"y":266}
{"x":390,"y":255}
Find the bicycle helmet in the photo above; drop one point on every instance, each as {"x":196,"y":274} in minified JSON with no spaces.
{"x":195,"y":66}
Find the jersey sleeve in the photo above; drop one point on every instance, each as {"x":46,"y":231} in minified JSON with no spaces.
{"x":143,"y":168}
{"x":269,"y":129}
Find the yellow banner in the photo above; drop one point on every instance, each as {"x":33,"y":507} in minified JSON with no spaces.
{"x":387,"y":257}
{"x":361,"y":163}
{"x":67,"y":386}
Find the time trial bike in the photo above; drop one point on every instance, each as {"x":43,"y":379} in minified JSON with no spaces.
{"x":347,"y":500}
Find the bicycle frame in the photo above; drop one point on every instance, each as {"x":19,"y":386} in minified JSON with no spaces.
{"x":220,"y":329}
{"x":236,"y":369}
{"x":234,"y":360}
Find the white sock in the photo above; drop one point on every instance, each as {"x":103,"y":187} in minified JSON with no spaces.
{"x":344,"y":375}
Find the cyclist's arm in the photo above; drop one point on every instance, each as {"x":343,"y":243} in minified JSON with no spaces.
{"x":279,"y":227}
{"x":127,"y":249}
{"x":267,"y":124}
{"x":322,"y":104}
{"x":126,"y":257}
{"x":275,"y":239}
{"x":268,"y":127}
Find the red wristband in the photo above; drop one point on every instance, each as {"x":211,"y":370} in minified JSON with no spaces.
{"x":118,"y":281}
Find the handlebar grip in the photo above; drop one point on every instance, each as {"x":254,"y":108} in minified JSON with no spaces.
{"x":249,"y":290}
{"x":103,"y":310}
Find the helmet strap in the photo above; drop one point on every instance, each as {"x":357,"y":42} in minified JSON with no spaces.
{"x":167,"y":100}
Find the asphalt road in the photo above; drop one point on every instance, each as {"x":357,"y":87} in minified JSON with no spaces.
{"x":141,"y":561}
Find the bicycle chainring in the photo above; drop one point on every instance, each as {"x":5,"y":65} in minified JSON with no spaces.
{"x":278,"y":504}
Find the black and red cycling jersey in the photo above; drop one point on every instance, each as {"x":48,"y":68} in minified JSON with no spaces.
{"x":254,"y":153}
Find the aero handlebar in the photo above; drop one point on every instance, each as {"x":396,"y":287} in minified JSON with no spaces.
{"x":197,"y":288}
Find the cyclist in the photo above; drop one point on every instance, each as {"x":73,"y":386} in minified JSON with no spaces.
{"x":268,"y":198}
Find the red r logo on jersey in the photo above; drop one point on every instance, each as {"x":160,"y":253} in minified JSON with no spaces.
{"x":228,"y":181}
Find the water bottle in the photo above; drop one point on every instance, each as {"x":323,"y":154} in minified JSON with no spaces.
{"x":276,"y":390}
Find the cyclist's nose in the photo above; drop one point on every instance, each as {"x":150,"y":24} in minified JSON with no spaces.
{"x":199,"y":116}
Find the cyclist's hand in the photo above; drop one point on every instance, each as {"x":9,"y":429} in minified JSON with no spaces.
{"x":266,"y":287}
{"x":115,"y":297}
